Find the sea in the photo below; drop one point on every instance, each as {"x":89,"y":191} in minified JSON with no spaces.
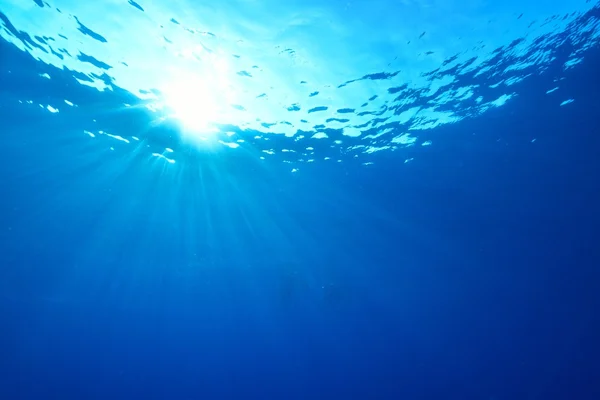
{"x":264,"y":199}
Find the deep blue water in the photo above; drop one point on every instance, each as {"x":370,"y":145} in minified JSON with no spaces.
{"x":465,"y":269}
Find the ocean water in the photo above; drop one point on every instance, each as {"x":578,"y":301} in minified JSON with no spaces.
{"x":253,"y":199}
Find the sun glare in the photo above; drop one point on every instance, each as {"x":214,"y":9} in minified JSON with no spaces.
{"x":199,"y":100}
{"x":192,"y":102}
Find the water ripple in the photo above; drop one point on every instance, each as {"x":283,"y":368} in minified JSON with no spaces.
{"x":352,"y":78}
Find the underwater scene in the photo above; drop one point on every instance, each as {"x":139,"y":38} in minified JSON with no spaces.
{"x":261,"y":199}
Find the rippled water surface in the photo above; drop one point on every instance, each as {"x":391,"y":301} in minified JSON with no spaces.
{"x":339,"y":80}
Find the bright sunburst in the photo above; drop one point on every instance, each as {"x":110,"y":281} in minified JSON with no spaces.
{"x":199,"y":100}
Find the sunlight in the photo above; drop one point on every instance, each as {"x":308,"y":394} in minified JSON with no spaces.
{"x":199,"y":100}
{"x":193,"y":102}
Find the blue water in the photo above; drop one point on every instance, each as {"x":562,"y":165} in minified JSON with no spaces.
{"x":299,"y":200}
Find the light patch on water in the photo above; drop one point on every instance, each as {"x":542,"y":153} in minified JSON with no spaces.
{"x":552,"y":90}
{"x":116,"y":137}
{"x":373,"y":149}
{"x":516,"y":79}
{"x":500,"y":101}
{"x":161,"y":156}
{"x":382,"y":132}
{"x":569,"y":101}
{"x":352,"y":132}
{"x":229,"y":144}
{"x":405,"y":139}
{"x":573,"y":62}
{"x":52,"y":109}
